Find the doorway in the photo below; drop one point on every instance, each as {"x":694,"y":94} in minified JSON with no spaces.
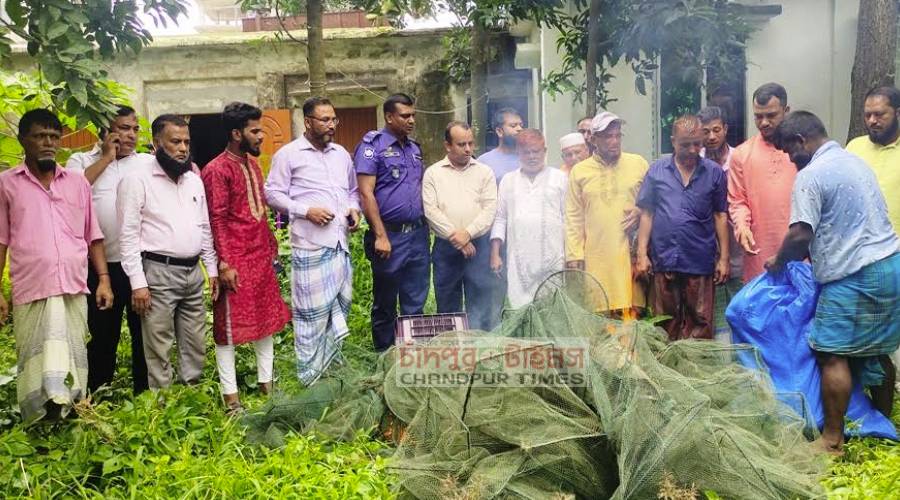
{"x":208,"y":138}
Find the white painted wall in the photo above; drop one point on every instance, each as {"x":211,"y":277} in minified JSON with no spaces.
{"x":809,"y":49}
{"x":559,"y":115}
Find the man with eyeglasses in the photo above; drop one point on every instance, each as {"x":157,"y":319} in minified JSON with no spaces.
{"x":683,"y":236}
{"x":601,"y":216}
{"x":312,"y":179}
{"x":389,"y":171}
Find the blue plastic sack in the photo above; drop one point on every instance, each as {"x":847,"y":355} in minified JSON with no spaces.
{"x":774,"y":314}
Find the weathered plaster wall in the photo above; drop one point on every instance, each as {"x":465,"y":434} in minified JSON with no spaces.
{"x":201,"y":74}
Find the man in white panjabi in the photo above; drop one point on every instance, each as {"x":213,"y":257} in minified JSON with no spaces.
{"x":530,"y":218}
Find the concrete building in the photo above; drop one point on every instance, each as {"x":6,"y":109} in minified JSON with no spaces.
{"x":806,"y":45}
{"x":197,"y":75}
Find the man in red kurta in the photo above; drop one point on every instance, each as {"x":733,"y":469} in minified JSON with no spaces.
{"x":250,"y":307}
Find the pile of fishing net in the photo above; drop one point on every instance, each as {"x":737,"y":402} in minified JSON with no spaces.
{"x":616,"y":412}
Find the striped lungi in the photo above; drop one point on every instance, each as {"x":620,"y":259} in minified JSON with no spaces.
{"x":321,"y":289}
{"x":51,"y":354}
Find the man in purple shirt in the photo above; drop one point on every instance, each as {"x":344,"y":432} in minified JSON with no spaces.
{"x":389,"y":173}
{"x":49,"y":226}
{"x":683,"y":203}
{"x":312,"y":179}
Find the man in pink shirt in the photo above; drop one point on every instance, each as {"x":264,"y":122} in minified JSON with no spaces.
{"x":760,"y":180}
{"x":49,"y":227}
{"x":165,"y":233}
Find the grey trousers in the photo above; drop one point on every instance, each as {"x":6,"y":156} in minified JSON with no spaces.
{"x":177,"y":314}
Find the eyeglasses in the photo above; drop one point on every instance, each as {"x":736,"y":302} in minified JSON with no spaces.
{"x":335,"y":120}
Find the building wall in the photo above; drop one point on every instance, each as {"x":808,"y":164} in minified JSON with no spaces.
{"x":200,"y":74}
{"x":560,"y":114}
{"x":809,"y":49}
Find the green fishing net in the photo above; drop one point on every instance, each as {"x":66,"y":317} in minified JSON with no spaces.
{"x":612,"y":411}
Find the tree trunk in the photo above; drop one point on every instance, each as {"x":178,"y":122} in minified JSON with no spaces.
{"x":876,"y":51}
{"x":315,"y":54}
{"x":478,"y":82}
{"x":590,"y":64}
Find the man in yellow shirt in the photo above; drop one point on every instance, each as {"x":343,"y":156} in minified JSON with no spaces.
{"x":880,"y":149}
{"x":601,"y":216}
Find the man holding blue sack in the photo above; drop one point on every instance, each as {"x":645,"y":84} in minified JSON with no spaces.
{"x":839,"y":220}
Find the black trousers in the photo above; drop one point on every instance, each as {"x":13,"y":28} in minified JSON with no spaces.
{"x":106,"y":330}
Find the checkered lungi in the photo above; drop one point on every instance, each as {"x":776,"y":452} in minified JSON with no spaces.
{"x":321,"y":289}
{"x":858,"y":317}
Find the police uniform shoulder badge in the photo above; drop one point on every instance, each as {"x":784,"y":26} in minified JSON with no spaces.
{"x":369,"y":153}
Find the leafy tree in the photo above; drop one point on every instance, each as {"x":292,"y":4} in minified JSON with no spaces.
{"x":21,"y":92}
{"x":68,"y":40}
{"x":701,"y":34}
{"x":468,"y":44}
{"x":315,"y":51}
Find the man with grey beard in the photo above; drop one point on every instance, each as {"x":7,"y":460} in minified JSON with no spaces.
{"x":165,"y":232}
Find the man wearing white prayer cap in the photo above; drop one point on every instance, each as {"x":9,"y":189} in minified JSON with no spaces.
{"x":573,"y":150}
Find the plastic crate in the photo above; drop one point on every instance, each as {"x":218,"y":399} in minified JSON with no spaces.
{"x":422,"y":327}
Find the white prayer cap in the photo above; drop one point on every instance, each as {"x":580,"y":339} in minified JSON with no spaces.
{"x":603,"y":120}
{"x":570,"y":140}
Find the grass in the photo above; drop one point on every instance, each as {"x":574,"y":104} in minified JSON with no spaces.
{"x":179,"y":444}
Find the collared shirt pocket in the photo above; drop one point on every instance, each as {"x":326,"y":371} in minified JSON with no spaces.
{"x":698,"y":204}
{"x":73,"y":216}
{"x":394,"y":168}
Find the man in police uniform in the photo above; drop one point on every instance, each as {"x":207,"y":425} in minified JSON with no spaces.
{"x":389,"y":172}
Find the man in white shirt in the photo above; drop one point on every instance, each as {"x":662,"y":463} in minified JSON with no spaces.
{"x":531,"y":212}
{"x":104,"y":166}
{"x":165,"y":232}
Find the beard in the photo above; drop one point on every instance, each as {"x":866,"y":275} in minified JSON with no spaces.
{"x":508,"y":141}
{"x":172,"y":167}
{"x":884,"y":138}
{"x":246,"y":148}
{"x":46,"y":165}
{"x":801,"y":160}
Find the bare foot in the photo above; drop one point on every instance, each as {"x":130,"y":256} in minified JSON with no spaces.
{"x":835,"y":449}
